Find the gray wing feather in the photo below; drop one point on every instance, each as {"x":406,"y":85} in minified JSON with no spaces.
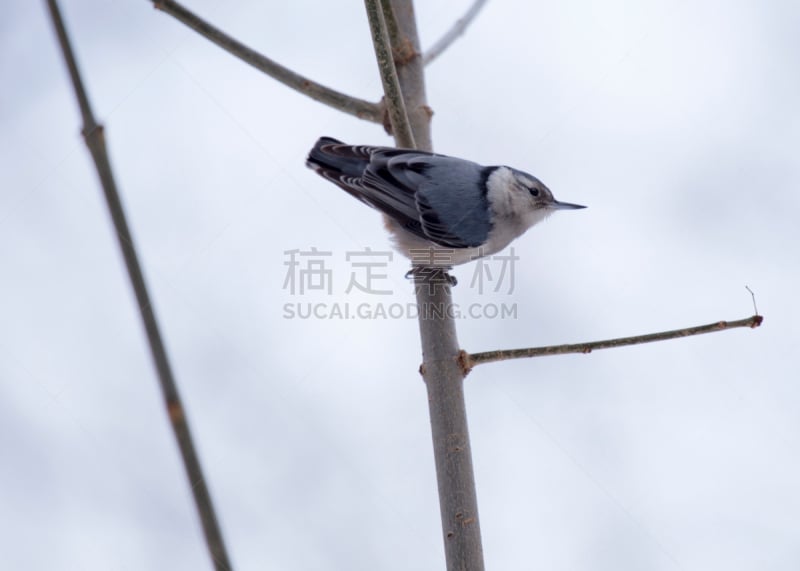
{"x":442,"y":199}
{"x":439,"y":198}
{"x":452,"y":203}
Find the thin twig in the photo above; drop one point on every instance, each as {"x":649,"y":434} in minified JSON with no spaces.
{"x":469,"y":361}
{"x":459,"y":27}
{"x":401,"y":128}
{"x":352,"y":105}
{"x":95,"y":140}
{"x":752,"y":295}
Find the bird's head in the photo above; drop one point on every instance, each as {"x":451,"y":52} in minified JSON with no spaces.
{"x":518,"y":195}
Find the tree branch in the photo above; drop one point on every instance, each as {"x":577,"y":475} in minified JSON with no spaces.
{"x":444,"y":379}
{"x":469,"y":361}
{"x":411,"y":72}
{"x":95,"y":140}
{"x":401,"y":128}
{"x":459,"y":27}
{"x":318,"y":92}
{"x":402,"y":49}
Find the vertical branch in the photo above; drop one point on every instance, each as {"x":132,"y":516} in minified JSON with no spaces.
{"x":411,"y":72}
{"x":441,"y":368}
{"x":444,"y":381}
{"x":95,"y":140}
{"x":401,"y":127}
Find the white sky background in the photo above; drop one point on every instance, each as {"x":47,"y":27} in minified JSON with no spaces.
{"x":675,"y":122}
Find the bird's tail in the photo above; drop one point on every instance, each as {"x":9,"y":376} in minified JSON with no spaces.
{"x":334,"y":160}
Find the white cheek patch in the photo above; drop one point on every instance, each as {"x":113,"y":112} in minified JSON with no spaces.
{"x":505,"y":198}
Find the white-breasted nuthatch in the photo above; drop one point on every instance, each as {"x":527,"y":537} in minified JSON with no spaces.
{"x":441,"y":211}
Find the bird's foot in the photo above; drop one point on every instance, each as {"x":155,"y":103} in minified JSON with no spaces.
{"x":431,"y":276}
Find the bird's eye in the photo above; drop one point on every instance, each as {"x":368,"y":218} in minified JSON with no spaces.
{"x":534,"y":192}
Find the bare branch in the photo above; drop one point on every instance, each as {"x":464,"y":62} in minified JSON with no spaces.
{"x":459,"y":27}
{"x":95,"y":140}
{"x":318,"y":92}
{"x":753,"y":296}
{"x":469,"y":361}
{"x":402,"y":50}
{"x":411,"y":72}
{"x":444,"y":379}
{"x":401,"y":128}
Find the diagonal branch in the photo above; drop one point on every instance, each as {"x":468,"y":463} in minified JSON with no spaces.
{"x":316,"y":91}
{"x":469,"y":361}
{"x":95,"y":140}
{"x":401,"y":127}
{"x":459,"y":27}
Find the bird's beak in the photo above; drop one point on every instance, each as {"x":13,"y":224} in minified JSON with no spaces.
{"x":556,"y":205}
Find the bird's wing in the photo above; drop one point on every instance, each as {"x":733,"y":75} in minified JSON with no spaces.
{"x":439,"y":198}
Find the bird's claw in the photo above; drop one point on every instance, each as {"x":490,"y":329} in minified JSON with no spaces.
{"x":431,"y":276}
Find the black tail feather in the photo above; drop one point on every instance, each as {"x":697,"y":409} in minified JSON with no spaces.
{"x":334,"y":160}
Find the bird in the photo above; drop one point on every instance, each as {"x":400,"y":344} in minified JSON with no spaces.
{"x":441,"y":211}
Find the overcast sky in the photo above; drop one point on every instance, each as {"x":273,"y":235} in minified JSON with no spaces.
{"x":677,"y":124}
